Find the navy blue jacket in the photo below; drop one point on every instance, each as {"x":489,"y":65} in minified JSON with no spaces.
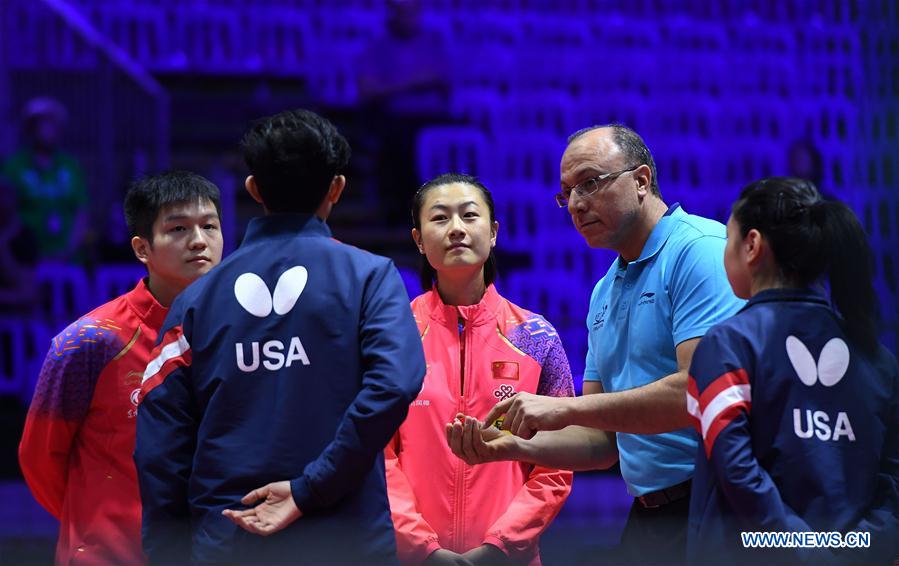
{"x":296,"y":358}
{"x":800,"y":432}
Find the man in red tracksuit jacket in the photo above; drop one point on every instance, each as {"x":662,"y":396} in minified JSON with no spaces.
{"x":77,"y":446}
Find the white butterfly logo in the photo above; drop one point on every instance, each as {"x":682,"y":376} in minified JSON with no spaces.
{"x":830,"y":367}
{"x":253,"y":295}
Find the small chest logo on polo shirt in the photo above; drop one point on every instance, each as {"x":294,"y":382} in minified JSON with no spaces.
{"x":600,"y":319}
{"x":646,"y":298}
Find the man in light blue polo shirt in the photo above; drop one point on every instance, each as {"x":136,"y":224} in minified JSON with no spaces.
{"x":647,"y":314}
{"x":643,"y":314}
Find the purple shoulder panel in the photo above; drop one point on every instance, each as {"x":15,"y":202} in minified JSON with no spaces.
{"x":72,"y":367}
{"x":538,"y":339}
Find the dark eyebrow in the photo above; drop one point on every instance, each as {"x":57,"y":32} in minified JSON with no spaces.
{"x":174,"y":217}
{"x":445,"y":207}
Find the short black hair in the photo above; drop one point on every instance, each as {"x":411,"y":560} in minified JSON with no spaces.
{"x":293,"y":156}
{"x":149,"y":195}
{"x":426,"y":273}
{"x":631,"y":145}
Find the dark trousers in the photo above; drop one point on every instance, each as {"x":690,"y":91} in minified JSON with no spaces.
{"x":655,"y":535}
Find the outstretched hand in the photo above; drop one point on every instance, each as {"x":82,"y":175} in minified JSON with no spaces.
{"x":475,"y":443}
{"x":276,"y":511}
{"x":526,"y":414}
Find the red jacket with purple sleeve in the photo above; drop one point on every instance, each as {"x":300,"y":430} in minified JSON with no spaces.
{"x":476,"y":355}
{"x":77,"y":446}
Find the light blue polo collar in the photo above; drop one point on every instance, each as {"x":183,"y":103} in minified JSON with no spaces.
{"x":659,"y":234}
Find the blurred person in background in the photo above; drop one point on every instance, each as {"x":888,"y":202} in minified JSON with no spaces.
{"x":18,"y":252}
{"x":804,"y":160}
{"x":403,"y":82}
{"x":18,"y":298}
{"x":52,"y":197}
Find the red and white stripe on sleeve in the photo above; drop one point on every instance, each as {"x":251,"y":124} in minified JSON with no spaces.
{"x":171,"y":353}
{"x":718,"y":404}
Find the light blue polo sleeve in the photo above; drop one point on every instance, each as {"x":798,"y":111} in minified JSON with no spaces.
{"x":590,"y":372}
{"x":701,"y":294}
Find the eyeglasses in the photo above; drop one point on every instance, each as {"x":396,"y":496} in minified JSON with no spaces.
{"x":588,"y":187}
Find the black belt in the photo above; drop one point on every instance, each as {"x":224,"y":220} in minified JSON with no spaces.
{"x":665,"y":496}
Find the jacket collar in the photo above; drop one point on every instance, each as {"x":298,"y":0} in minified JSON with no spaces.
{"x":274,"y":225}
{"x":474,"y":315}
{"x":145,"y":305}
{"x":806,"y":295}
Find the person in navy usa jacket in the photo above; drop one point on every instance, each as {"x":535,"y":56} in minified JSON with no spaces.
{"x":278,"y":382}
{"x":796,"y":402}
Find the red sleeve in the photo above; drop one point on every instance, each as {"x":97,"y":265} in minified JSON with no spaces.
{"x":44,"y":458}
{"x":62,"y":399}
{"x":531,"y":511}
{"x":415,"y":539}
{"x":541,"y":497}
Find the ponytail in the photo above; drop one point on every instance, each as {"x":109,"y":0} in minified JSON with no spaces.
{"x":811,"y":238}
{"x":850,"y":270}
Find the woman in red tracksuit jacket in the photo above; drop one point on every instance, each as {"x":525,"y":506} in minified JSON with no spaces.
{"x":480,"y":348}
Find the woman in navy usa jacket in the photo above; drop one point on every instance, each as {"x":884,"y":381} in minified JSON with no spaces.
{"x":796,"y":402}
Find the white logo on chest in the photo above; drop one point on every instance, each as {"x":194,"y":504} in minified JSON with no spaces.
{"x":253,"y":295}
{"x":132,"y":411}
{"x":829,"y":369}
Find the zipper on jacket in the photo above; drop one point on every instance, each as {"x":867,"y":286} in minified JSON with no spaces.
{"x":461,"y":357}
{"x":459,"y":495}
{"x":458,"y":505}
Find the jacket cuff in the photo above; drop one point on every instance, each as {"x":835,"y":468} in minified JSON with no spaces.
{"x":497,"y":542}
{"x":302,"y":494}
{"x":432,"y":547}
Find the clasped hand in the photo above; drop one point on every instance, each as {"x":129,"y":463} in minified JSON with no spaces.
{"x":276,"y":511}
{"x":526,"y":414}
